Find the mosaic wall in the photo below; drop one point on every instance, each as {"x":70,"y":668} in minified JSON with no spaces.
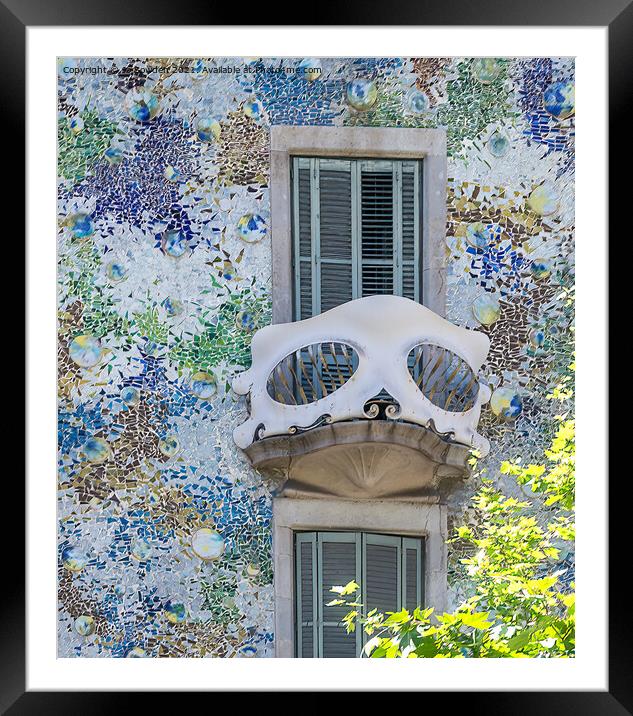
{"x":164,"y":273}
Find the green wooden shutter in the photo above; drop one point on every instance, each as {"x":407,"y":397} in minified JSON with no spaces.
{"x":303,"y":252}
{"x":410,"y":230}
{"x":378,"y":228}
{"x":393,"y":573}
{"x":306,"y":595}
{"x":390,"y":570}
{"x":356,"y":231}
{"x":381,"y":576}
{"x":336,"y":249}
{"x":412,"y":573}
{"x":339,"y":559}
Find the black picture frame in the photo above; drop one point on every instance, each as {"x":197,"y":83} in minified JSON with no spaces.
{"x":17,"y":15}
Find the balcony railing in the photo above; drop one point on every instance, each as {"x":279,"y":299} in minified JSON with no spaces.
{"x":376,"y":357}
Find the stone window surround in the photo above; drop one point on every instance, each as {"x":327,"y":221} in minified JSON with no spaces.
{"x":386,"y":142}
{"x":408,"y":519}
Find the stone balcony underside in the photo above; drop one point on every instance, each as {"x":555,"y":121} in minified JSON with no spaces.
{"x":362,"y":459}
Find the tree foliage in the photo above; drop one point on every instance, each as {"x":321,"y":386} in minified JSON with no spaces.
{"x":519,"y":605}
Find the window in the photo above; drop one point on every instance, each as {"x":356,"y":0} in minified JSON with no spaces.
{"x":356,"y":227}
{"x":388,"y":568}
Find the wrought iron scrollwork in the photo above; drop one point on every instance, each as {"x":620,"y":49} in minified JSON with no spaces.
{"x":322,"y":420}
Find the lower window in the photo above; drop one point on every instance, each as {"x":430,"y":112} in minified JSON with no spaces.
{"x":390,"y":570}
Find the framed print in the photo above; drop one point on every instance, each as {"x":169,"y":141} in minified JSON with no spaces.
{"x":329,"y":330}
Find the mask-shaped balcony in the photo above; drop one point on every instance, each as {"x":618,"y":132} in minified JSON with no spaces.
{"x":378,"y":397}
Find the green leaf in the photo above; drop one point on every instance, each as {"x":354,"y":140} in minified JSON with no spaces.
{"x":349,"y":588}
{"x":477,"y":620}
{"x":400,"y":617}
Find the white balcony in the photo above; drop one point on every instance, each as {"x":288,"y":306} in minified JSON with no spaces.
{"x":377,"y":397}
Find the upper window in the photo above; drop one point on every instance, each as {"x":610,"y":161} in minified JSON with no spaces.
{"x":389,"y":569}
{"x":356,"y":227}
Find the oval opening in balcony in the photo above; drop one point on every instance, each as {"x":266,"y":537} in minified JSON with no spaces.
{"x":311,"y":373}
{"x":443,"y":377}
